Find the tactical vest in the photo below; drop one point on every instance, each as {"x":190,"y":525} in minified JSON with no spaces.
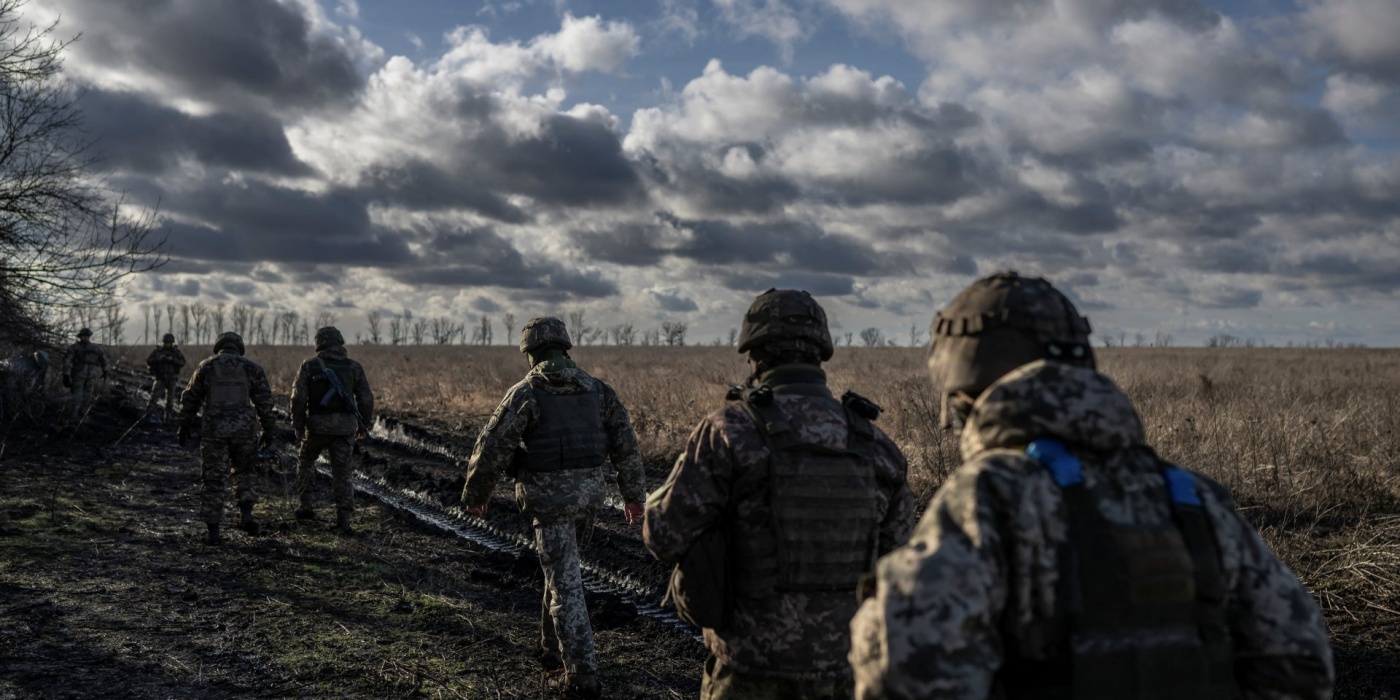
{"x":228,"y":384}
{"x":1143,"y":607}
{"x":322,"y":397}
{"x":823,"y":529}
{"x":86,"y":356}
{"x":569,"y":434}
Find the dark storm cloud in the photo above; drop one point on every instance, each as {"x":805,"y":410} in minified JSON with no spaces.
{"x":571,"y":162}
{"x":377,"y":248}
{"x":1226,"y":298}
{"x":226,"y":52}
{"x":483,"y":258}
{"x":673,"y":302}
{"x":711,"y":191}
{"x":757,"y":281}
{"x":1230,"y":256}
{"x":135,"y":134}
{"x":421,"y":186}
{"x":485,"y":305}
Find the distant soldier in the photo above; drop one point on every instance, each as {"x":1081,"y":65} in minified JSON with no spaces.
{"x":164,"y":364}
{"x":234,"y":394}
{"x":553,"y":433}
{"x":83,"y":365}
{"x":24,"y":380}
{"x":1065,"y":559}
{"x":805,"y":493}
{"x":332,"y":406}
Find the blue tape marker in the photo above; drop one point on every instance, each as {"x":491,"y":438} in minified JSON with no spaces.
{"x":1064,"y":467}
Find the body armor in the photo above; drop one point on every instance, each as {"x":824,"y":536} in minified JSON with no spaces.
{"x":1144,"y":607}
{"x":228,"y":385}
{"x":823,"y":531}
{"x":86,"y":355}
{"x":569,"y":434}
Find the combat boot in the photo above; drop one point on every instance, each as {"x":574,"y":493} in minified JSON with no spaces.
{"x":213,"y":537}
{"x":342,"y":522}
{"x":582,"y":686}
{"x":246,"y":522}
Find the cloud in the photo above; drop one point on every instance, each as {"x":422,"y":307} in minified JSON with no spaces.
{"x":774,"y":20}
{"x":1357,"y":36}
{"x":589,"y":43}
{"x":672,"y":301}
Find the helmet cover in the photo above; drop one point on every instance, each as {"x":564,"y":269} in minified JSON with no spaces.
{"x":787,"y":319}
{"x":544,"y":330}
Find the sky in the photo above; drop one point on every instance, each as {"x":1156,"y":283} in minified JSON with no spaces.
{"x":1180,"y":168}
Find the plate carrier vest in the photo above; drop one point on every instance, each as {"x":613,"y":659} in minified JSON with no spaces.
{"x":228,"y":384}
{"x":569,"y":434}
{"x":823,"y":534}
{"x":1143,"y":608}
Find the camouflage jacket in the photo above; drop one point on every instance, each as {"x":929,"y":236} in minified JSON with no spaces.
{"x":796,"y":635}
{"x":976,"y":585}
{"x":330,"y":423}
{"x":82,"y":355}
{"x":238,"y":421}
{"x":165,"y":362}
{"x":559,"y":494}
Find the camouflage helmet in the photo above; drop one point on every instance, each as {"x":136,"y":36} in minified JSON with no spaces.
{"x":787,"y":319}
{"x":229,"y":339}
{"x":328,"y":337}
{"x":84,"y":332}
{"x":544,"y":330}
{"x":997,"y":324}
{"x":168,"y":338}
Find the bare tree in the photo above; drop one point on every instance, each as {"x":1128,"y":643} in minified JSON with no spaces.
{"x":185,"y":321}
{"x":323,"y":319}
{"x":483,"y":330}
{"x":674,"y":332}
{"x":216,"y":319}
{"x":259,"y":324}
{"x":242,"y":318}
{"x":624,"y":334}
{"x":114,"y":323}
{"x":419,"y":329}
{"x":916,"y":335}
{"x":170,"y":321}
{"x":374,"y":318}
{"x":733,"y":336}
{"x":146,"y":314}
{"x":396,"y":327}
{"x":199,"y":313}
{"x":872,"y":337}
{"x":510,"y":325}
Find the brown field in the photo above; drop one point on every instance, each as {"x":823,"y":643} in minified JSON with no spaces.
{"x":1306,"y":439}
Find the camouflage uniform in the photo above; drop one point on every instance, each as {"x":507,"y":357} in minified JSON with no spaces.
{"x":236,"y":398}
{"x":83,"y":365}
{"x":981,"y":588}
{"x":24,"y":387}
{"x":164,"y":364}
{"x":563,"y":503}
{"x":326,"y":423}
{"x":794,"y":636}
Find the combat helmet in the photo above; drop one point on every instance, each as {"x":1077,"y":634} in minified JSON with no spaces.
{"x":786,"y":319}
{"x":544,"y":330}
{"x":168,"y":338}
{"x":328,"y":337}
{"x":997,"y":324}
{"x":228,"y":339}
{"x":84,"y":332}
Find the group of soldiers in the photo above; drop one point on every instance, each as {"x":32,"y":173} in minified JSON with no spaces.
{"x":1063,"y":559}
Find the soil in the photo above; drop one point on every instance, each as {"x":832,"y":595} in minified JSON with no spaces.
{"x":107,"y":589}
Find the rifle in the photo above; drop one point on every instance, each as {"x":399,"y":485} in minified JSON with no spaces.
{"x":344,"y":395}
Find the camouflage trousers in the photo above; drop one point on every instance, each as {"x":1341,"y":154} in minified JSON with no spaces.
{"x":166,"y":389}
{"x":216,"y":454}
{"x":724,"y":683}
{"x":342,"y":456}
{"x":566,"y":636}
{"x":85,"y":387}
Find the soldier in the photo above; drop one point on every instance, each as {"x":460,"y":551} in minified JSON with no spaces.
{"x":1065,"y":559}
{"x":24,"y":388}
{"x":236,"y":398}
{"x":84,"y":364}
{"x":552,"y":434}
{"x":164,"y":364}
{"x":807,"y":493}
{"x":324,"y":418}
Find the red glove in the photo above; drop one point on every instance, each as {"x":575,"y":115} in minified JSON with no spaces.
{"x":633,"y":513}
{"x":478,"y":511}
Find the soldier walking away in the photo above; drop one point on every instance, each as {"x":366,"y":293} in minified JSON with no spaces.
{"x":1065,"y":558}
{"x":83,"y":365}
{"x":235,"y":397}
{"x":332,"y":407}
{"x":24,"y":386}
{"x":803,"y":491}
{"x":164,"y":364}
{"x":553,"y":433}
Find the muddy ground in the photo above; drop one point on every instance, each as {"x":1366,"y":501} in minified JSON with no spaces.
{"x":107,"y":590}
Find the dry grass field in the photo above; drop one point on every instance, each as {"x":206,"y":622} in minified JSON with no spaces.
{"x":1308,"y":440}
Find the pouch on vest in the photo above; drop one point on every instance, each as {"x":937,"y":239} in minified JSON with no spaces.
{"x":700,"y":588}
{"x":228,"y":385}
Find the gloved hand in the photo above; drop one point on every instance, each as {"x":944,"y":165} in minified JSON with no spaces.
{"x":67,"y":382}
{"x":182,"y":438}
{"x":265,"y":441}
{"x":633,"y":512}
{"x":478,"y":511}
